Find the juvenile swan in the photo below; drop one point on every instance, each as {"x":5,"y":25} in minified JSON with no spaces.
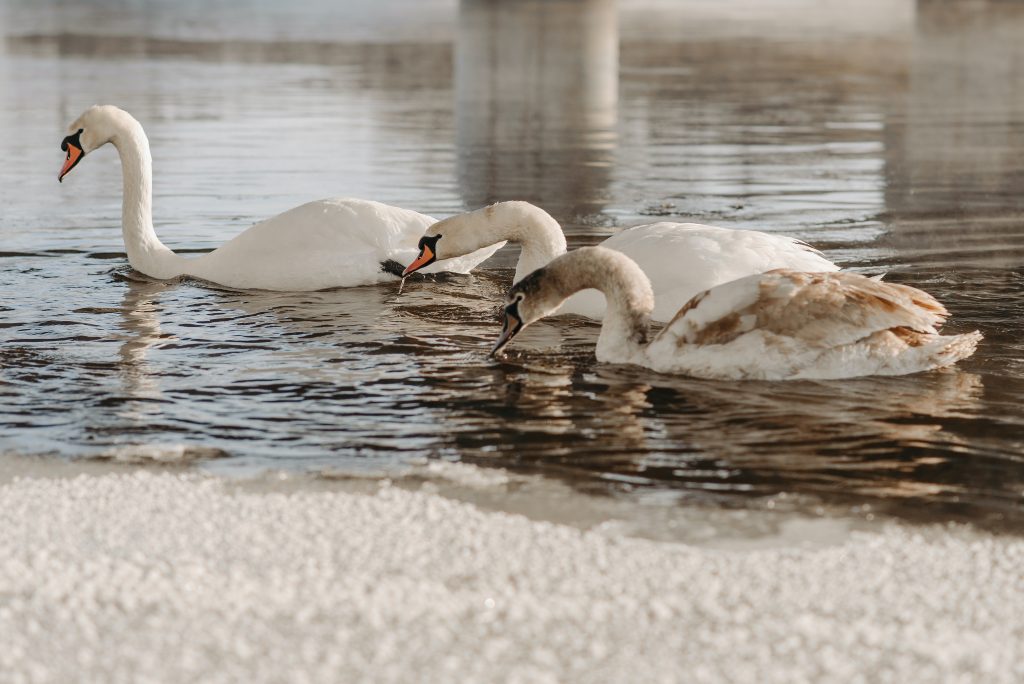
{"x":680,"y":259}
{"x":322,"y":244}
{"x":779,"y":325}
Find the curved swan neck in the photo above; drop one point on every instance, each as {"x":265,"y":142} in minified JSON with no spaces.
{"x":628,"y":295}
{"x":531,"y":227}
{"x":145,"y":251}
{"x":535,"y":230}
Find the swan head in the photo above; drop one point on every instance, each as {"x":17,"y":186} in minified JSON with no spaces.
{"x":428,"y":247}
{"x":97,"y":126}
{"x":465,"y":233}
{"x":448,"y":239}
{"x":531,"y":299}
{"x":541,"y":293}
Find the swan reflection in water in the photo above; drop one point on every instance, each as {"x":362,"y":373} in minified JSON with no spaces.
{"x":879,"y":438}
{"x":140,"y":322}
{"x":138,"y":429}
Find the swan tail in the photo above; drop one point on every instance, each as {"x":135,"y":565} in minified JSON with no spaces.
{"x":392,"y":267}
{"x":897,"y":351}
{"x":928,"y":351}
{"x":945,"y":350}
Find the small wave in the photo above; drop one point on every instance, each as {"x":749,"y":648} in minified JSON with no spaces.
{"x":172,"y":454}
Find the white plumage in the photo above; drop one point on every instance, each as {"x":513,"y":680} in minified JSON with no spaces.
{"x":683,"y":259}
{"x":322,"y":244}
{"x":318,"y":245}
{"x":779,"y":325}
{"x":790,"y":325}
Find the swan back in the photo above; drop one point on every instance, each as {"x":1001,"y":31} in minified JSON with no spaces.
{"x":684,"y":259}
{"x":337,"y":242}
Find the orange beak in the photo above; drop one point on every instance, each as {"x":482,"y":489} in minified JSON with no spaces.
{"x":425,"y":258}
{"x":75,"y":155}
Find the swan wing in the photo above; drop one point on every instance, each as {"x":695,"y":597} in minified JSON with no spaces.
{"x":787,"y":324}
{"x":818,"y":309}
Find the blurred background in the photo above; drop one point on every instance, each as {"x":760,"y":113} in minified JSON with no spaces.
{"x":597,"y":110}
{"x":889,"y":133}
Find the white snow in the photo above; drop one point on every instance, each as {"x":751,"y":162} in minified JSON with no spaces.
{"x":155,"y":576}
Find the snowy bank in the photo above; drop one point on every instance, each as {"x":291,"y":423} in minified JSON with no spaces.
{"x":143,"y":576}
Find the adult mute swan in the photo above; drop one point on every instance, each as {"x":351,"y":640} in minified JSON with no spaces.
{"x":778,"y":325}
{"x":680,"y":259}
{"x":322,"y":244}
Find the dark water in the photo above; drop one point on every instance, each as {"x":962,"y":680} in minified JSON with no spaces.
{"x":891,"y":137}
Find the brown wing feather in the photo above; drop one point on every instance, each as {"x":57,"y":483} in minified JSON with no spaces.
{"x":825,"y":309}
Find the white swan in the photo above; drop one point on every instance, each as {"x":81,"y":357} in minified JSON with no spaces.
{"x":778,"y":325}
{"x":680,"y":259}
{"x":322,"y":244}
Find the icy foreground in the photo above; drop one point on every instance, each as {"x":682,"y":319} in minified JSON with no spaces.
{"x":162,"y":577}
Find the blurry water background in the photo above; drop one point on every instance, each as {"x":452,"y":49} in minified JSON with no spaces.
{"x":890,"y":134}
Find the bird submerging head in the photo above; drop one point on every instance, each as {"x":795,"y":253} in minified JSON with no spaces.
{"x":779,"y":325}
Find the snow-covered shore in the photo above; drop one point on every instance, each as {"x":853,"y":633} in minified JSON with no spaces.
{"x":156,"y":576}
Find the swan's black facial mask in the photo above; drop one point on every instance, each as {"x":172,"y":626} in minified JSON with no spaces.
{"x":510,"y":327}
{"x":428,"y":254}
{"x":73,"y":146}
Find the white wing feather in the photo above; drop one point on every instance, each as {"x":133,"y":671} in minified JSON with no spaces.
{"x":684,"y":259}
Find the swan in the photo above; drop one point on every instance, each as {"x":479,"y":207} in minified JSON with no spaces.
{"x":318,"y":245}
{"x":779,"y":325}
{"x":680,"y":259}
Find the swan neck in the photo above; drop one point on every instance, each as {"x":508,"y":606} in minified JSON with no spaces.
{"x":625,"y":327}
{"x":534,"y":255}
{"x":145,"y":251}
{"x":536,"y":232}
{"x":628,"y":296}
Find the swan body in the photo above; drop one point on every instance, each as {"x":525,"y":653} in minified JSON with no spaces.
{"x":680,"y":259}
{"x":779,"y":325}
{"x":322,"y":244}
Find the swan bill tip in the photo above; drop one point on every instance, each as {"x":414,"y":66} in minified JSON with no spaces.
{"x":510,"y":326}
{"x":498,"y":350}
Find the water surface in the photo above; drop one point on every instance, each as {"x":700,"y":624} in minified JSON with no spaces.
{"x":892,"y":140}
